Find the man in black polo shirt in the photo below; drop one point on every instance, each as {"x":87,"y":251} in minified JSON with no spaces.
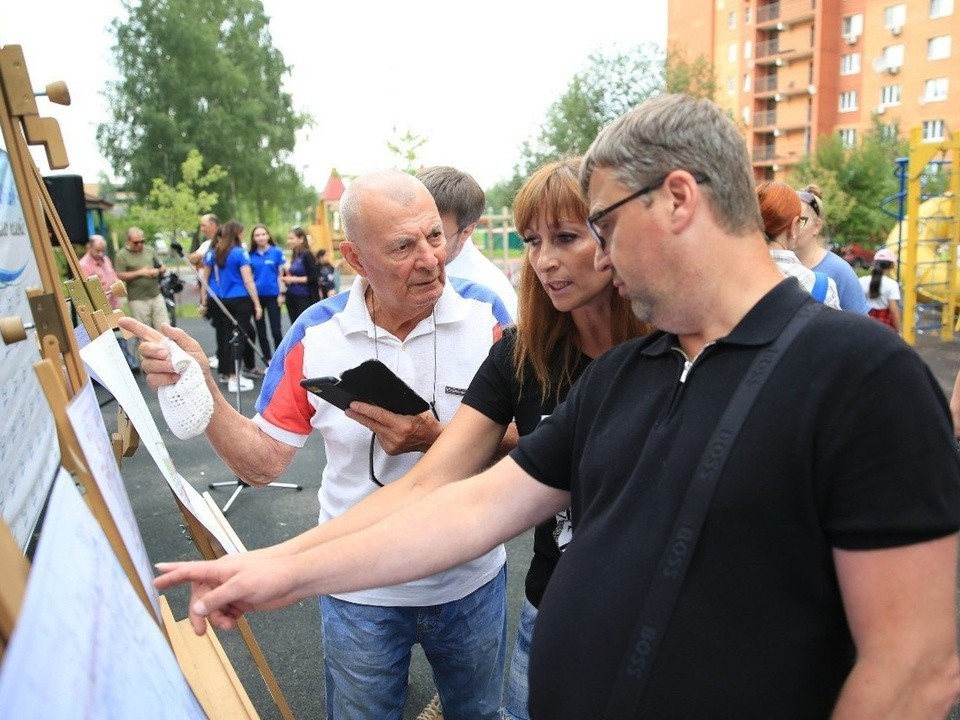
{"x":824,"y":577}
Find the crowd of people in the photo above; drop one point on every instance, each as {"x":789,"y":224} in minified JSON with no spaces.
{"x":715,"y":443}
{"x":243,"y":290}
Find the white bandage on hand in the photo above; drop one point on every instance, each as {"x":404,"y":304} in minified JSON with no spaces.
{"x":187,"y":405}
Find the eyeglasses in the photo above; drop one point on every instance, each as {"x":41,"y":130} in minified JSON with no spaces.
{"x":802,"y":220}
{"x":600,"y":214}
{"x":136,"y":242}
{"x":810,"y":199}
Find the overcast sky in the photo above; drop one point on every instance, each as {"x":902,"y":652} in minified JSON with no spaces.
{"x":474,"y":79}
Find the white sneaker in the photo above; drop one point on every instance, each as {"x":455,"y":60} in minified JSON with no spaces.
{"x":213,"y":362}
{"x":245,"y":385}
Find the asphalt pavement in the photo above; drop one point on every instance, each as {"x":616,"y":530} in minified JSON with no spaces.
{"x":290,"y":638}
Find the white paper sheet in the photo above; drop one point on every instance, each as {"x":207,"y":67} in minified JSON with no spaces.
{"x":104,"y":357}
{"x":84,"y":647}
{"x":29,"y":453}
{"x":87,"y":422}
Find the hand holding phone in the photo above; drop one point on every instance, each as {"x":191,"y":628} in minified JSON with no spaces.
{"x":370,"y":382}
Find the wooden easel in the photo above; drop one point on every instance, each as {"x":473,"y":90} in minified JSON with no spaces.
{"x":61,"y":372}
{"x":62,"y":376}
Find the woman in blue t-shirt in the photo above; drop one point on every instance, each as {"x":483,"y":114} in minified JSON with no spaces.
{"x":301,"y":277}
{"x":229,"y":266}
{"x":266,"y":262}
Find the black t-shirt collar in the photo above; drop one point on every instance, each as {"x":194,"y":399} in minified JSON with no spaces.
{"x":760,"y":326}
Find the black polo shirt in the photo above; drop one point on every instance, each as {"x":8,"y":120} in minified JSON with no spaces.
{"x":848,"y":446}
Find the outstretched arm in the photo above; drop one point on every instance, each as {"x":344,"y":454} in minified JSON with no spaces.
{"x":444,"y":529}
{"x":900,"y":603}
{"x":250,"y":453}
{"x":468,"y":444}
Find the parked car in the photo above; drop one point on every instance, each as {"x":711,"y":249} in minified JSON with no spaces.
{"x":857,"y":255}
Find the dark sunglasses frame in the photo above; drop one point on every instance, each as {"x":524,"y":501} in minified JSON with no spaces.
{"x":810,"y":199}
{"x":600,"y":214}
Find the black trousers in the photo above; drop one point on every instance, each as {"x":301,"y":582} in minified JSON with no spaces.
{"x":297,"y":304}
{"x":242,"y":310}
{"x":271,"y":312}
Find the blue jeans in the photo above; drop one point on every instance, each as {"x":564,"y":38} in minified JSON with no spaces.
{"x":366,"y":654}
{"x":518,"y":691}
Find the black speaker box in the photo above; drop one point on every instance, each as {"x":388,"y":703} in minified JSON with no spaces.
{"x":66,"y":191}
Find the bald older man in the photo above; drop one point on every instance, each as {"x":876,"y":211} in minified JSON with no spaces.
{"x":96,"y":263}
{"x":401,"y":311}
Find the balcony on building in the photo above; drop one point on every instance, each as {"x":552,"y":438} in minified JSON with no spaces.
{"x":763,"y":119}
{"x":765,"y":85}
{"x":765,"y":152}
{"x":770,"y":53}
{"x":784,"y":13}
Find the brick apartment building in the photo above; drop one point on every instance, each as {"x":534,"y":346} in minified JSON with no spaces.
{"x":791,"y":71}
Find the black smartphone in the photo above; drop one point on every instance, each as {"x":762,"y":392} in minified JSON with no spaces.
{"x":370,"y":382}
{"x":328,"y":388}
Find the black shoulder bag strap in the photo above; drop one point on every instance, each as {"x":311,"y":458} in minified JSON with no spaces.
{"x":665,"y":587}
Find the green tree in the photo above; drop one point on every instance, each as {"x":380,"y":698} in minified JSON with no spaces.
{"x":201,"y":75}
{"x":611,"y":84}
{"x":404,"y":149}
{"x":689,"y":78}
{"x":855,"y":182}
{"x":173,"y":210}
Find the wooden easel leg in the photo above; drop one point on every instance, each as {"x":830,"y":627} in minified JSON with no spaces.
{"x":268,"y":677}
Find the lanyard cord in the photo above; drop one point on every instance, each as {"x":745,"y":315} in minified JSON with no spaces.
{"x":376,"y":354}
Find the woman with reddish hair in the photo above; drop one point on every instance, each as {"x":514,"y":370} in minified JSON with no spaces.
{"x":782,"y":220}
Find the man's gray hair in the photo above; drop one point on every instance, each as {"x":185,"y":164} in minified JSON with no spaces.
{"x":399,"y":186}
{"x":678,"y":132}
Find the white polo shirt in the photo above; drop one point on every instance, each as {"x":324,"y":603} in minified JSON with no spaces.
{"x":337,"y":334}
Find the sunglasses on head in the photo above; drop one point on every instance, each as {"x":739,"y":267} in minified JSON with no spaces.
{"x":810,"y":199}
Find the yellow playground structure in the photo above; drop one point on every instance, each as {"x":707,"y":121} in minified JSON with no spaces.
{"x":925,"y":240}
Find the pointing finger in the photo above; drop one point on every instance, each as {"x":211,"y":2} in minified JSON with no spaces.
{"x":144,"y":332}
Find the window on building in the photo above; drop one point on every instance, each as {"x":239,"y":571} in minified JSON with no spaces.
{"x":730,"y":86}
{"x":935,"y":89}
{"x":848,"y":101}
{"x":933,"y":130}
{"x":938,"y":48}
{"x":941,"y":8}
{"x":852,"y":25}
{"x":892,"y":57}
{"x":747,"y":15}
{"x":848,"y":137}
{"x":732,"y":52}
{"x":890,"y":95}
{"x":850,"y":63}
{"x":746,"y":82}
{"x":732,"y":21}
{"x":747,"y":50}
{"x":888,"y":131}
{"x":894,"y":16}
